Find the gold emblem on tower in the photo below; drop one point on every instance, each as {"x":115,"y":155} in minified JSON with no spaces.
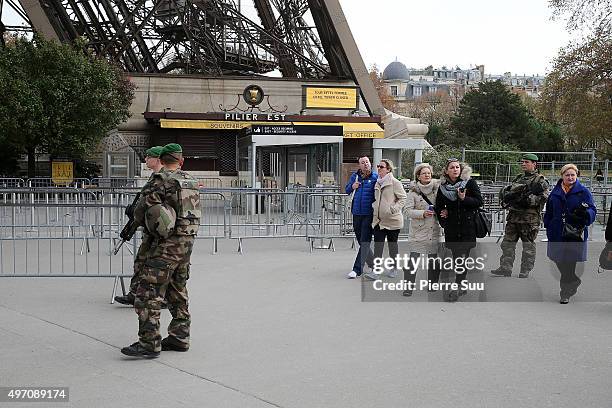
{"x":253,"y":95}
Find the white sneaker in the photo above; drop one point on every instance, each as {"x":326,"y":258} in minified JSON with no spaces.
{"x":371,"y":276}
{"x":391,"y":273}
{"x":351,"y":275}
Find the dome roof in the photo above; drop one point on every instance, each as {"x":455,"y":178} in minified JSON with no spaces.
{"x":396,"y":70}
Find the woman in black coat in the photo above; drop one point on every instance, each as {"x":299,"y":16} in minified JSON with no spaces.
{"x":457,"y":203}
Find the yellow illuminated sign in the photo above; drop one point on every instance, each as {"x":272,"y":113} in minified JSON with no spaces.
{"x":210,"y":124}
{"x":331,"y":97}
{"x":357,"y":130}
{"x":364,"y":135}
{"x":62,"y":172}
{"x":362,"y":131}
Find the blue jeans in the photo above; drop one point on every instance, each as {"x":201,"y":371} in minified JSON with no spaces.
{"x":362,"y":225}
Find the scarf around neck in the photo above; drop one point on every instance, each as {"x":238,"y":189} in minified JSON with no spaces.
{"x":381,"y":180}
{"x":450,"y":190}
{"x":426,"y":189}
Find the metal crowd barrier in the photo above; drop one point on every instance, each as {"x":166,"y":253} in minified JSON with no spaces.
{"x":47,"y":182}
{"x":39,"y":226}
{"x":328,"y":218}
{"x":210,"y":182}
{"x":10,"y":182}
{"x":114,"y":182}
{"x":39,"y":238}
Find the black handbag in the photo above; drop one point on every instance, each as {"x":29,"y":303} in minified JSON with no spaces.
{"x":605,"y":258}
{"x":572,"y":233}
{"x":483,"y":222}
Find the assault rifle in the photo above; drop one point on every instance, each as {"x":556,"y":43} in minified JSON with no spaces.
{"x":130,"y":227}
{"x":519,"y":197}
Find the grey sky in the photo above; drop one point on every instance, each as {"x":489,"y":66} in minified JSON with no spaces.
{"x":516,"y":36}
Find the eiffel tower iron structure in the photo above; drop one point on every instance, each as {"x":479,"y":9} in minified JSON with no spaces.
{"x":211,"y":37}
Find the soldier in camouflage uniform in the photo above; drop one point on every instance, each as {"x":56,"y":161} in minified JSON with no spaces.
{"x":169,"y":209}
{"x":154,"y":164}
{"x":525,"y":199}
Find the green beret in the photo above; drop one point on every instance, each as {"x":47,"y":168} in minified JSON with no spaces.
{"x":155,"y":151}
{"x":171,"y":148}
{"x":530,"y":156}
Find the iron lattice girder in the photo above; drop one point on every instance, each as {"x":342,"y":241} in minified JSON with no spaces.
{"x":204,"y":36}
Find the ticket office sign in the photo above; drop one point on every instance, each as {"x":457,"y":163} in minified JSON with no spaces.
{"x":330,"y":97}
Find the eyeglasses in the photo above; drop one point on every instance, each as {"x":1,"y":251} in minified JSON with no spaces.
{"x":452,"y":159}
{"x":381,"y":167}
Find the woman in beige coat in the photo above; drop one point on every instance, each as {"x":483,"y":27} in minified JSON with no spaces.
{"x":388,"y":218}
{"x":424,"y":235}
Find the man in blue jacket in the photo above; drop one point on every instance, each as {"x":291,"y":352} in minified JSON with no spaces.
{"x":362,"y":182}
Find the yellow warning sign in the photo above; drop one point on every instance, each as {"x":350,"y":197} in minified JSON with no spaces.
{"x":330,"y":97}
{"x":62,"y":172}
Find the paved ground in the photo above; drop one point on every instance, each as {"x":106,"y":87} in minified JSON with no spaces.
{"x":281,"y":327}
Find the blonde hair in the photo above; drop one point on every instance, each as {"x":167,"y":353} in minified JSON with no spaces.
{"x":570,"y":166}
{"x":389,"y":164}
{"x":420,"y":167}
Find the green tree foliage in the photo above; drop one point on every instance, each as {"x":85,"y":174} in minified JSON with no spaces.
{"x":492,"y":112}
{"x":438,"y":155}
{"x":578,"y":90}
{"x":57,"y":99}
{"x":436,"y":134}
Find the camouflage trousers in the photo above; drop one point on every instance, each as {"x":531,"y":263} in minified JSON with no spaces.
{"x":139,"y":260}
{"x":527,"y":233}
{"x":164,"y":275}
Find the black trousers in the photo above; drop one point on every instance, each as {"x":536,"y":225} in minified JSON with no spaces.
{"x":569,"y":280}
{"x":433,"y":269}
{"x":460,"y":252}
{"x":379,"y":242}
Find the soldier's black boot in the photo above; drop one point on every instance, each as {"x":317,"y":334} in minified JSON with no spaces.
{"x":126,"y":299}
{"x":501,"y":272}
{"x":137,"y":350}
{"x":169,"y":344}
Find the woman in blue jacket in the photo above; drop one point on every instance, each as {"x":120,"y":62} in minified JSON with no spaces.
{"x":569,"y":203}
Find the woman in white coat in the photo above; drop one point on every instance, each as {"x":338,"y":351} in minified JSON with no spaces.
{"x":388,"y":218}
{"x":424,"y":235}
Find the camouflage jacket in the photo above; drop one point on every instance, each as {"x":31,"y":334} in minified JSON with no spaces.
{"x":527,"y":208}
{"x":176,"y":189}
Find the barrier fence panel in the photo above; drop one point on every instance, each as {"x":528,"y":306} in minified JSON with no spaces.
{"x":8,"y":182}
{"x":210,"y":182}
{"x":491,"y":204}
{"x":47,"y":182}
{"x":328,"y":218}
{"x":70,"y":232}
{"x":504,"y":166}
{"x":114,"y":182}
{"x":214,"y":221}
{"x":265,"y":213}
{"x":33,"y":243}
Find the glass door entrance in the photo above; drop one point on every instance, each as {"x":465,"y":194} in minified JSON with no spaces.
{"x":297,"y":167}
{"x":287,"y":166}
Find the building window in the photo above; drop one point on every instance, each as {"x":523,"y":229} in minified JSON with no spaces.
{"x":393,"y":90}
{"x":416,"y":91}
{"x":433,"y":89}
